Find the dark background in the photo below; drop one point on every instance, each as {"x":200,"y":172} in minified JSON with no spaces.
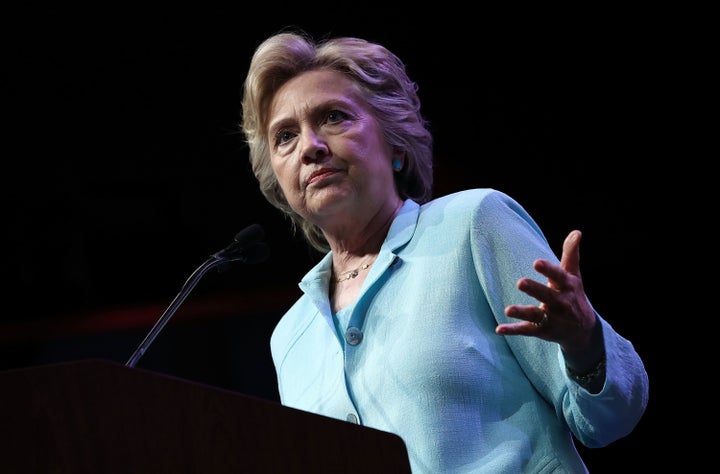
{"x":124,"y":172}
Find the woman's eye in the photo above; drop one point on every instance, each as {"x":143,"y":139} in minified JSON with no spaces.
{"x":335,"y":116}
{"x":283,"y":136}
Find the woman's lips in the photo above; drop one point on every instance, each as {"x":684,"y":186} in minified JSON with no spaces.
{"x":319,"y":175}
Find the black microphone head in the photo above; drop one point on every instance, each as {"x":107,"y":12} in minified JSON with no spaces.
{"x":250,"y":234}
{"x":246,"y":247}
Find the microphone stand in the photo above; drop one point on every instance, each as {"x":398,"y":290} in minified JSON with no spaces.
{"x":170,"y":311}
{"x":234,"y":251}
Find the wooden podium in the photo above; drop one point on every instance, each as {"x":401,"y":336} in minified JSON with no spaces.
{"x":96,"y":416}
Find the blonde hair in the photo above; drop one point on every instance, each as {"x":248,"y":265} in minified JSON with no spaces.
{"x":386,"y":86}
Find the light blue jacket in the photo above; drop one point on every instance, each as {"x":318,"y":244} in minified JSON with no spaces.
{"x":417,"y":355}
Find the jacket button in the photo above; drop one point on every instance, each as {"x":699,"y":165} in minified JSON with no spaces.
{"x":353,"y":336}
{"x":352,"y":418}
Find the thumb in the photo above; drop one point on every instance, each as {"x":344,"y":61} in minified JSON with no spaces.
{"x":570,"y":260}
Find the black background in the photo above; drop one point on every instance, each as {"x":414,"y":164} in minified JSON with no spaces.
{"x":124,"y":171}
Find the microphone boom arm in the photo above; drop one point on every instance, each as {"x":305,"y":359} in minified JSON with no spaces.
{"x":174,"y":305}
{"x":254,"y":252}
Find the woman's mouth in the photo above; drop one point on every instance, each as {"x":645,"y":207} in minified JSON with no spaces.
{"x":319,"y":175}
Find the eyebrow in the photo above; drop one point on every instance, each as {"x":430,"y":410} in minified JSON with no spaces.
{"x":323,"y":107}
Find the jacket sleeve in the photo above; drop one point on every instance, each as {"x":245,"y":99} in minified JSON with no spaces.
{"x":506,"y":241}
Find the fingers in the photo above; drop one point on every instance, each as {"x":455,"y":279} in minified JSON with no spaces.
{"x":529,"y":313}
{"x":532,"y":321}
{"x":563,"y":279}
{"x":561,"y":298}
{"x":557,"y":275}
{"x":570,"y":260}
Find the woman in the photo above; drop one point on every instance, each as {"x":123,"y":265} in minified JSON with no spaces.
{"x":421,"y":318}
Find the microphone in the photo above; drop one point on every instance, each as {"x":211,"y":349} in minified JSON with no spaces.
{"x":246,"y":247}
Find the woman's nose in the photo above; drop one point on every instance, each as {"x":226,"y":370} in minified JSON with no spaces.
{"x":313,"y":146}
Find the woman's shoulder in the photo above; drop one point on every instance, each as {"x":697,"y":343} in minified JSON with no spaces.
{"x":478,"y":208}
{"x":470,"y":200}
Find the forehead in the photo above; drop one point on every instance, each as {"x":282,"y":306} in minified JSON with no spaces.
{"x":311,"y":88}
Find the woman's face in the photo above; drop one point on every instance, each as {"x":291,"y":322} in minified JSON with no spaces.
{"x":328,"y":152}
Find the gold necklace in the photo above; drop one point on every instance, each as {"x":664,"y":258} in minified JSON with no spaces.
{"x":352,"y":273}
